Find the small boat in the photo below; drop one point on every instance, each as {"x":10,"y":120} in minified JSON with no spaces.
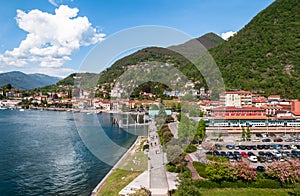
{"x":21,"y":110}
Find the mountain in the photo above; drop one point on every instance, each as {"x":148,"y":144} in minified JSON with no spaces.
{"x":265,"y":54}
{"x":24,"y":81}
{"x":208,"y":40}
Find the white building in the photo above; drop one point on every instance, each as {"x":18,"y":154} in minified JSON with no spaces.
{"x":236,"y":98}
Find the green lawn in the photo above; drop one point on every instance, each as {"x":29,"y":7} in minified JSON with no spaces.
{"x":200,"y":167}
{"x":117,"y":181}
{"x":245,"y":192}
{"x":138,"y":161}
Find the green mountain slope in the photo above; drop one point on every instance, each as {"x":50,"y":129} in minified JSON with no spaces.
{"x":265,"y":54}
{"x":23,"y":81}
{"x":208,"y":40}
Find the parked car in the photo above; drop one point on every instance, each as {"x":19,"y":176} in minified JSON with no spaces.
{"x":223,"y":154}
{"x":266,"y":140}
{"x":229,"y":147}
{"x":260,"y":169}
{"x":244,"y":154}
{"x":278,"y":140}
{"x":242,"y":147}
{"x":253,"y":158}
{"x":272,"y":135}
{"x":218,"y":146}
{"x":289,"y":140}
{"x":258,"y":135}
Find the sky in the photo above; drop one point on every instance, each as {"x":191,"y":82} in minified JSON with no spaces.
{"x":54,"y":36}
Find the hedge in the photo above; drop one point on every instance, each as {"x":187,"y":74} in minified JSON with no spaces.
{"x":263,"y":183}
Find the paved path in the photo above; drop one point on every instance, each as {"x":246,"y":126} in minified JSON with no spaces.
{"x":158,"y":181}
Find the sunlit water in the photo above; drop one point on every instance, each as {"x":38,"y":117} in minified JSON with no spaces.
{"x":41,"y":153}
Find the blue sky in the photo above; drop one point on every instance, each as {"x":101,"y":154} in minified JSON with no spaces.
{"x":54,"y":36}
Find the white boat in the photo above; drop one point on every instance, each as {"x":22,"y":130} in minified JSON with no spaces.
{"x":22,"y":110}
{"x":2,"y":108}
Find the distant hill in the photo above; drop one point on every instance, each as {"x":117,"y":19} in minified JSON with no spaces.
{"x":24,"y":81}
{"x":87,"y":79}
{"x":208,"y":40}
{"x":265,"y":54}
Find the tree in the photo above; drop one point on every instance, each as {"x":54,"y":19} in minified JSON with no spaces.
{"x":179,"y":116}
{"x":186,"y":129}
{"x":248,"y":133}
{"x":201,"y":129}
{"x":243,"y":133}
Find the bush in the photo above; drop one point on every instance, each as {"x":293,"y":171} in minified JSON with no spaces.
{"x":167,"y":136}
{"x":200,"y":167}
{"x":285,"y":172}
{"x":146,"y":146}
{"x":190,"y":149}
{"x":207,"y":184}
{"x":216,"y":158}
{"x":171,"y":168}
{"x":266,"y":183}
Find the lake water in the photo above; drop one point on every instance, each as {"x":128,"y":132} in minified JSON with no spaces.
{"x":42,"y":153}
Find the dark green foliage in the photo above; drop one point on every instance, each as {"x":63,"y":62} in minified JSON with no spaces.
{"x":264,"y":55}
{"x":190,"y":148}
{"x":216,"y":158}
{"x":266,"y":183}
{"x":263,"y":183}
{"x":164,"y":55}
{"x":165,"y":134}
{"x":248,"y":133}
{"x":146,"y":146}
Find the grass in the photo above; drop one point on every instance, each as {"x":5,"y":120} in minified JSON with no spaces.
{"x":117,"y":181}
{"x":245,"y":192}
{"x":133,"y":164}
{"x":138,"y":161}
{"x":200,"y":167}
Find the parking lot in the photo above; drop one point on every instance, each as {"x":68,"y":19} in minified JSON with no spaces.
{"x":261,"y":150}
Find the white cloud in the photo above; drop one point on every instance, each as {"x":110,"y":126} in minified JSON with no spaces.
{"x":227,"y":35}
{"x":51,"y":38}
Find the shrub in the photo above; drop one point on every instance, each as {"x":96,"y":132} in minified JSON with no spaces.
{"x":190,"y":149}
{"x":207,"y":184}
{"x":171,"y":168}
{"x":146,"y":146}
{"x":216,"y":158}
{"x":219,"y":172}
{"x":266,"y":183}
{"x":285,"y":172}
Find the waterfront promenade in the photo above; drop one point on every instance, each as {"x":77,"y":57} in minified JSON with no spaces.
{"x":158,"y":181}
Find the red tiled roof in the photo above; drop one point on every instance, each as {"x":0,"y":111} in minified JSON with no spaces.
{"x":237,"y":92}
{"x":237,"y":108}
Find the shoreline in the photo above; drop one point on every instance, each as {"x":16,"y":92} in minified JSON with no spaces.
{"x":97,"y":189}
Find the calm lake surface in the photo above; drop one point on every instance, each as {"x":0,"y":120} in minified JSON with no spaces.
{"x":42,"y":153}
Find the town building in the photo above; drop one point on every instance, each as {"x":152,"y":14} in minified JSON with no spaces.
{"x":238,"y":113}
{"x":236,"y":98}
